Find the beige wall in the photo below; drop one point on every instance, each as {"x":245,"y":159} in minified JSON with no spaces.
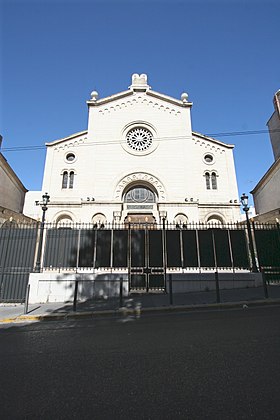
{"x":9,"y":216}
{"x":274,"y":126}
{"x":12,"y":192}
{"x":274,"y":132}
{"x":267,"y":192}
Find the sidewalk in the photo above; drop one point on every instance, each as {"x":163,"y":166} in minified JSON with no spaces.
{"x":137,"y":303}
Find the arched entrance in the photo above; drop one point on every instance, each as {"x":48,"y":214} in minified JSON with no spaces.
{"x":140,"y":204}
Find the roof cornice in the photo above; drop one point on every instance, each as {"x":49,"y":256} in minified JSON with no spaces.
{"x":202,"y":136}
{"x":111,"y":98}
{"x":71,"y":137}
{"x":148,"y":92}
{"x":170,"y":99}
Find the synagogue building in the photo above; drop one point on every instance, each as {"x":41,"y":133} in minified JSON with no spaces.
{"x":139,"y":161}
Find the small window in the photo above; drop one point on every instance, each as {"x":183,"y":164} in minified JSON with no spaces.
{"x":71,"y":179}
{"x":214,"y":181}
{"x":70,"y":157}
{"x":208,"y":158}
{"x":64,"y":179}
{"x":68,"y":179}
{"x":207,"y":179}
{"x":211,"y":180}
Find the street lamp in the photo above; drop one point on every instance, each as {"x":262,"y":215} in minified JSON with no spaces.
{"x":244,"y":202}
{"x":43,"y":204}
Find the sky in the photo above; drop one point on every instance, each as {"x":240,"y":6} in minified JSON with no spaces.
{"x":223,"y":53}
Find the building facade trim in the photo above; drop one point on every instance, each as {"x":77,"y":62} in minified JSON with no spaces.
{"x":142,"y":177}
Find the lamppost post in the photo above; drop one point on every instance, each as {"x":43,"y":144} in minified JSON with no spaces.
{"x":244,"y":202}
{"x":43,"y":204}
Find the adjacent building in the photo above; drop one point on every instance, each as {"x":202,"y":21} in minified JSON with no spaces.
{"x":267,"y":192}
{"x":12,"y":194}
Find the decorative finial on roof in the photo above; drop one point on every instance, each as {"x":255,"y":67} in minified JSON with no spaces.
{"x":139,"y":82}
{"x":184,"y":97}
{"x":94,"y":96}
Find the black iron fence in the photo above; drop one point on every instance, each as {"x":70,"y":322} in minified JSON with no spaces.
{"x":145,"y":251}
{"x":17,"y":253}
{"x":119,"y":246}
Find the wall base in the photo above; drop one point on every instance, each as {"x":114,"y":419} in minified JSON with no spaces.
{"x":59,"y":287}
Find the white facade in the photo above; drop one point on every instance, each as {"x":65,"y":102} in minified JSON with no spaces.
{"x":139,"y":160}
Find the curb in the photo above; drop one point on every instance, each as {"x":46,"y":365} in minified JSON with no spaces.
{"x":125,"y":311}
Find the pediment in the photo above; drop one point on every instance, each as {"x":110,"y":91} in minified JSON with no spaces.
{"x":147,"y":99}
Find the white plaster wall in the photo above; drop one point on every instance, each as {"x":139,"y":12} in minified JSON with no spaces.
{"x":30,"y":207}
{"x":59,"y":287}
{"x":111,"y":162}
{"x":176,"y":165}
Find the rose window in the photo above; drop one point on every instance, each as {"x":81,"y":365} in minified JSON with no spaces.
{"x":139,"y":139}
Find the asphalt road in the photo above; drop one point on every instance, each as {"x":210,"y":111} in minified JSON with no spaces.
{"x":206,"y":365}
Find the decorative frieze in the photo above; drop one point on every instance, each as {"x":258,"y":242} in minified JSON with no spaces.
{"x":208,"y":146}
{"x":68,"y":145}
{"x":140,"y":176}
{"x":141,"y":99}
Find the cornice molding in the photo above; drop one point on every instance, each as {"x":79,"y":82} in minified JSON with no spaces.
{"x":71,"y":137}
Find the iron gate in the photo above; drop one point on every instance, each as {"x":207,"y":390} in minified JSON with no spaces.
{"x":147,"y":260}
{"x":17,"y":253}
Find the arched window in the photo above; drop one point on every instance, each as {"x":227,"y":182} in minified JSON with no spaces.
{"x":71,"y":179}
{"x":180,"y":219}
{"x":99,"y":220}
{"x":207,"y":179}
{"x":64,"y":221}
{"x":211,"y":180}
{"x":214,"y":181}
{"x":68,"y":179}
{"x":215,"y":219}
{"x":139,"y":194}
{"x":64,"y":179}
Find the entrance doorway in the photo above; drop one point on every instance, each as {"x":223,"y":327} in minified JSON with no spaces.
{"x":140,"y":218}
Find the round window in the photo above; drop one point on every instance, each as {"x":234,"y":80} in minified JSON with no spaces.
{"x":139,"y":139}
{"x":208,"y":158}
{"x":70,"y":157}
